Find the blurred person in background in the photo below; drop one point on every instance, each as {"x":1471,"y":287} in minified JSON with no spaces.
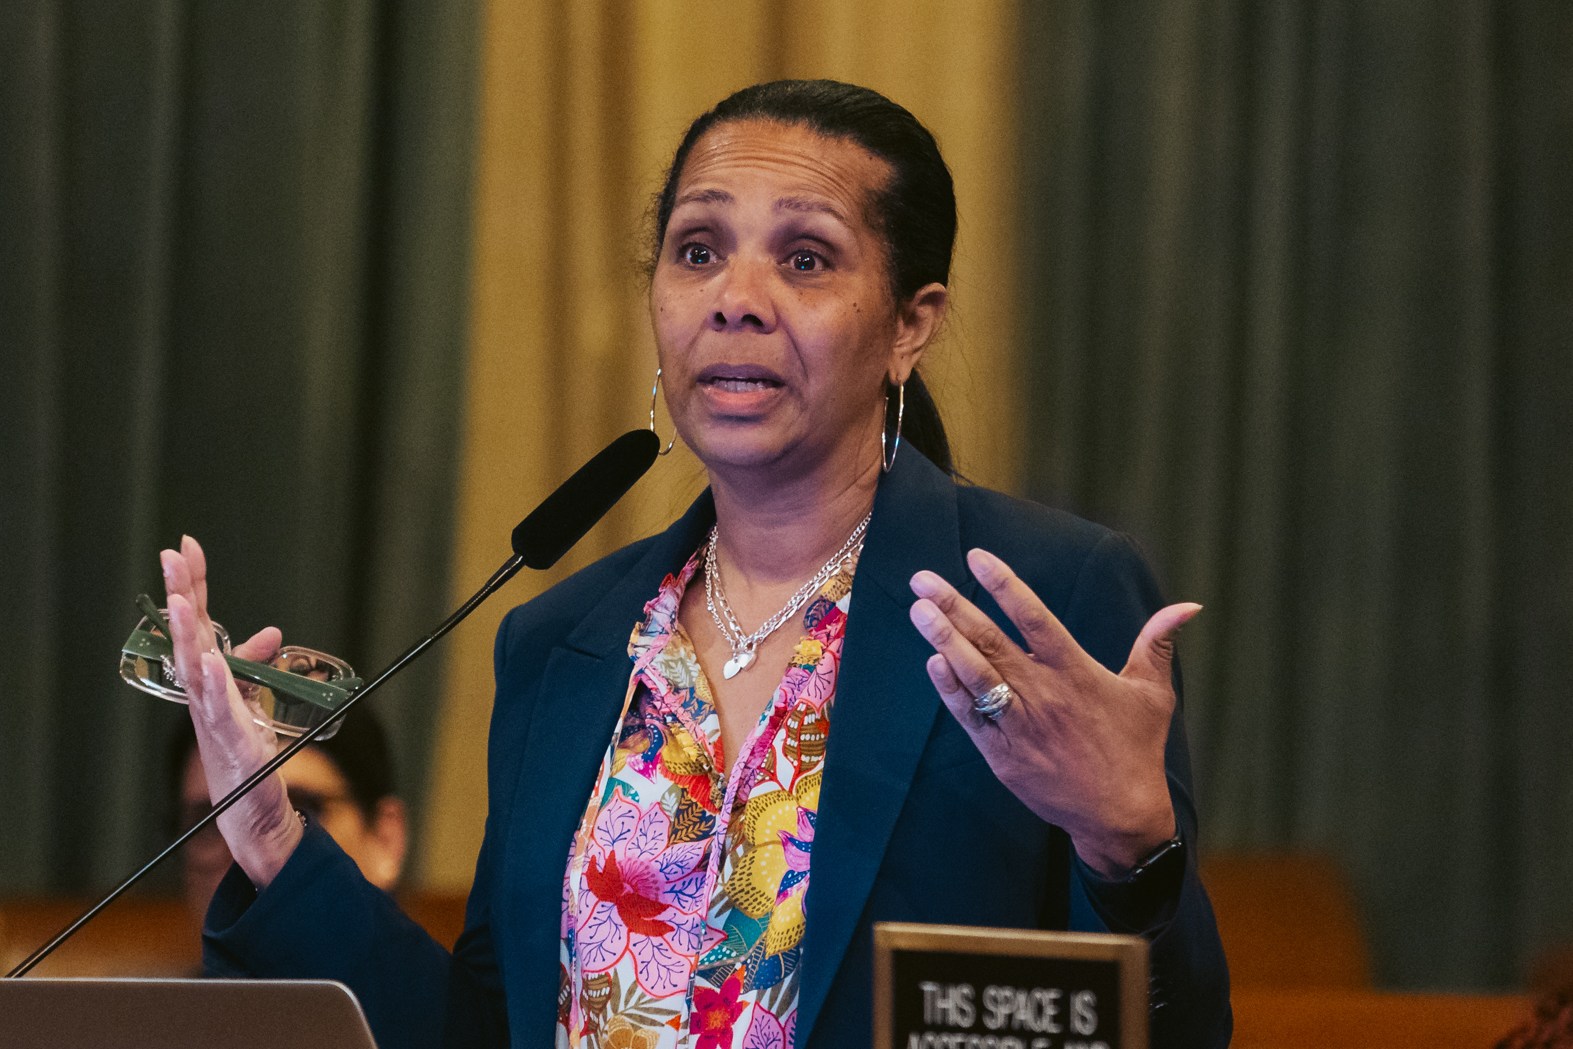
{"x":344,"y":784}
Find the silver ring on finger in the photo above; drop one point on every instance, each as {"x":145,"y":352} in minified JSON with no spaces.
{"x":995,"y":701}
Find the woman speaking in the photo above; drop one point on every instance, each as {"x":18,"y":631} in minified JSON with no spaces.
{"x":843,"y":688}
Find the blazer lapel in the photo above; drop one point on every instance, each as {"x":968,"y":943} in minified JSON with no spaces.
{"x":885,"y":707}
{"x":577,"y":700}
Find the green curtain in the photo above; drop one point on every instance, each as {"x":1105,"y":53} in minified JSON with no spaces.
{"x":1301,"y":314}
{"x":233,"y":272}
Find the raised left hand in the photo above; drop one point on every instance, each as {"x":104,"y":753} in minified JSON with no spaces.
{"x":260,"y":829}
{"x":1080,"y":746}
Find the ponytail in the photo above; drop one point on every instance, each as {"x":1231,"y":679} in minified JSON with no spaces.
{"x":921,"y":426}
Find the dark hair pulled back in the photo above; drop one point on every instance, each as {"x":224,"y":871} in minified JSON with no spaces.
{"x":915,"y":211}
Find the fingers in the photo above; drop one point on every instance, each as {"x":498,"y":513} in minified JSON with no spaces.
{"x":231,"y":744}
{"x":260,"y":647}
{"x":215,"y":699}
{"x":958,"y":697}
{"x":1046,"y":636}
{"x":191,"y":644}
{"x":197,"y":568}
{"x":185,"y":573}
{"x":216,"y":704}
{"x":189,"y":633}
{"x":229,"y":731}
{"x":259,"y":829}
{"x":177,"y":582}
{"x":974,"y":655}
{"x":977,"y":654}
{"x":1152,"y":655}
{"x":948,"y":685}
{"x":226,"y":722}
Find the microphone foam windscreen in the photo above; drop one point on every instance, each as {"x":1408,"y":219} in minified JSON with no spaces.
{"x":567,"y":514}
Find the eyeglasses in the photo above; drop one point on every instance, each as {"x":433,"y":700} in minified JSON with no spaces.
{"x":292,"y":694}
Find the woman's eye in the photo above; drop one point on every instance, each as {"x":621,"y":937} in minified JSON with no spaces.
{"x":805,"y":261}
{"x":696,"y":255}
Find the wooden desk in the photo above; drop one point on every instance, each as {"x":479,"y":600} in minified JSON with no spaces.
{"x":1345,"y":1019}
{"x":1287,"y":920}
{"x":150,"y":935}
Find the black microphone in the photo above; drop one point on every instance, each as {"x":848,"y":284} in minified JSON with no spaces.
{"x":550,"y":530}
{"x":566,"y":515}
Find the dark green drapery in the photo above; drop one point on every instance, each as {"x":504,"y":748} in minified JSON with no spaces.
{"x":233,"y":255}
{"x":1300,"y":287}
{"x":1299,"y":282}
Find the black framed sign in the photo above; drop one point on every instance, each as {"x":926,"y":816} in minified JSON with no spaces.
{"x":960,"y":987}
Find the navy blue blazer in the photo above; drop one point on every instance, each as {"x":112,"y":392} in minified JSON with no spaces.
{"x":913,"y":826}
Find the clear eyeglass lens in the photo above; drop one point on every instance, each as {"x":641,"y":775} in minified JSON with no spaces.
{"x":157,"y":676}
{"x":286,"y":714}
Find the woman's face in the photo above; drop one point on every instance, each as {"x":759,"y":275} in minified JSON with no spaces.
{"x":771,"y":303}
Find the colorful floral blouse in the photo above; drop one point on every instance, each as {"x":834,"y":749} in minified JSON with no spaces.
{"x":667,"y":940}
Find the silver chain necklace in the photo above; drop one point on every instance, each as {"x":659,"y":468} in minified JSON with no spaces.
{"x":743,"y":645}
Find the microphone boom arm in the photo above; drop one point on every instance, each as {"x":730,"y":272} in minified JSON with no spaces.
{"x":509,"y":569}
{"x":539,"y":540}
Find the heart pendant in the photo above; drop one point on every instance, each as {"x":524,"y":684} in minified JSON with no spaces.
{"x":736,"y":664}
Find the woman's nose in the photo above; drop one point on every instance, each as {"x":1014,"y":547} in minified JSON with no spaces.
{"x":743,"y":298}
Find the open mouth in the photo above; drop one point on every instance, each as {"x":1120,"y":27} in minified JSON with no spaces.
{"x":739,"y":378}
{"x":739,"y":384}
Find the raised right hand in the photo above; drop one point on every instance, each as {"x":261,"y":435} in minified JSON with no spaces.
{"x":261,"y":829}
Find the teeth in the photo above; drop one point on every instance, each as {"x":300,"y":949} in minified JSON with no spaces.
{"x":742,"y":385}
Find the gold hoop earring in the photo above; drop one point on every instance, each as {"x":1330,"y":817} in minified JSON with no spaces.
{"x":654,"y":390}
{"x":895,"y":445}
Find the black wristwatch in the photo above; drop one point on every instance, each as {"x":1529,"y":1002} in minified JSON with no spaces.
{"x":1163,"y":866}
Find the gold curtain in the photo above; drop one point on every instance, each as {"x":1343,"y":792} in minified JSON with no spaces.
{"x":581,"y":105}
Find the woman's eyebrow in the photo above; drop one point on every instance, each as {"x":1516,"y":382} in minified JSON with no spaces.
{"x":804,"y":204}
{"x":811,"y":204}
{"x":703,"y":196}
